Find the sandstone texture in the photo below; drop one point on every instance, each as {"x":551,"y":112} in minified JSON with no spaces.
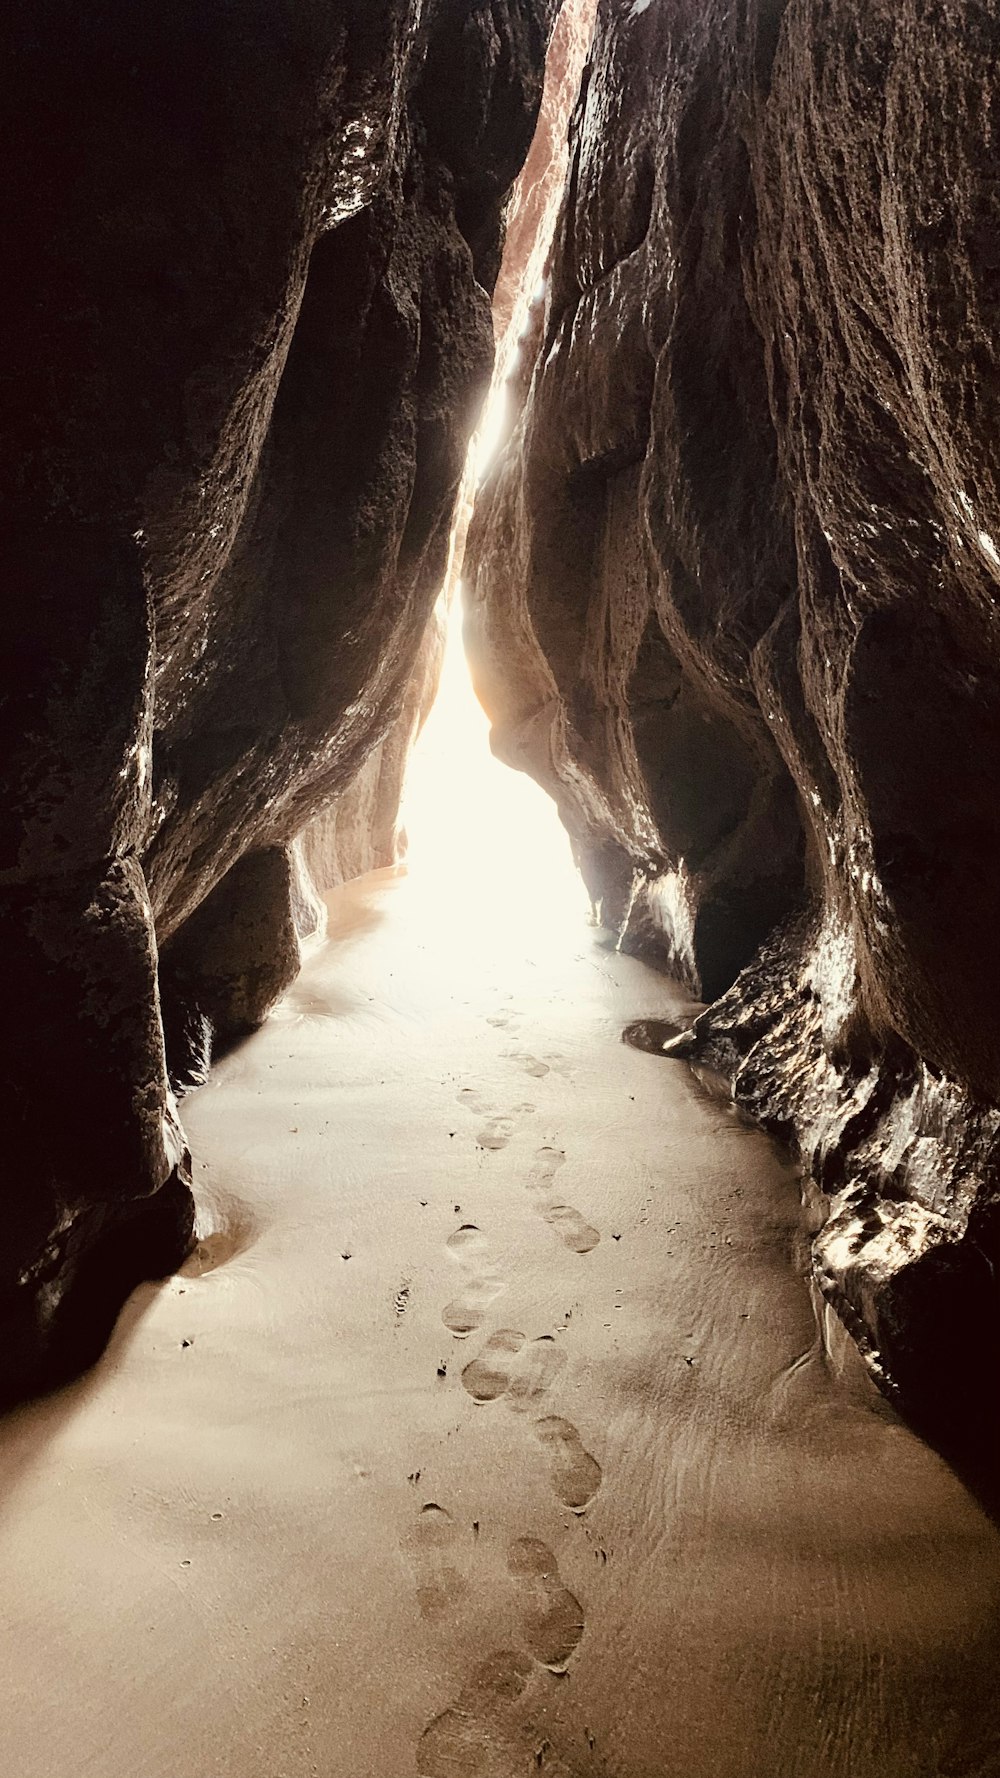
{"x":733,"y":601}
{"x":248,"y":332}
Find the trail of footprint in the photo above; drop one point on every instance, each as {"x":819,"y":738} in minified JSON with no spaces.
{"x":571,"y":1228}
{"x":468,"y":1740}
{"x":554,"y":1617}
{"x":467,"y":1311}
{"x":473,"y":1100}
{"x":510,"y":1365}
{"x":431,"y":1547}
{"x":576,"y":1475}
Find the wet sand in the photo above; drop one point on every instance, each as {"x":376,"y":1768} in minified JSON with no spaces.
{"x":492,"y":1429}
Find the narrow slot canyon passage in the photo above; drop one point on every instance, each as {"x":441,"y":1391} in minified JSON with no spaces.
{"x":490,"y":1428}
{"x":499,"y":850}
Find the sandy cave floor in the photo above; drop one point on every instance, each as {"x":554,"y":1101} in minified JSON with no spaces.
{"x":491,"y":1430}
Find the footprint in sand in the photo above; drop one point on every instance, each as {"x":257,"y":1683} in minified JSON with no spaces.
{"x":433,"y":1546}
{"x":576,"y":1475}
{"x":472,"y":1100}
{"x":495,"y":1133}
{"x":467,"y":1311}
{"x":531,"y":1064}
{"x":498,"y":1128}
{"x":468,"y":1242}
{"x":489,"y":1375}
{"x":468,"y":1740}
{"x":511,"y":1365}
{"x":571,"y":1227}
{"x":538,"y":1066}
{"x":539,"y":1366}
{"x":547,"y":1164}
{"x":553,"y":1616}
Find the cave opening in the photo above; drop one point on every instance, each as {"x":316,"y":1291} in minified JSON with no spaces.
{"x":483,"y":842}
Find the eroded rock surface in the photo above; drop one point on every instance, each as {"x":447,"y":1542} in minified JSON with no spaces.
{"x":537,"y":193}
{"x":251,"y":330}
{"x":361,"y":830}
{"x":735,"y":590}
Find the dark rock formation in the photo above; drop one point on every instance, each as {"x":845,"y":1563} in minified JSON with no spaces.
{"x":360,"y":831}
{"x":609,"y":619}
{"x":248,"y":331}
{"x":226,"y":966}
{"x":735,"y":600}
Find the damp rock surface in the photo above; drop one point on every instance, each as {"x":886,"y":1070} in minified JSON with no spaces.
{"x":734,"y":593}
{"x":251,"y":336}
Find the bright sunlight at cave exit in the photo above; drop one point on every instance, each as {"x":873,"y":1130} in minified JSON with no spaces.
{"x":488,"y":836}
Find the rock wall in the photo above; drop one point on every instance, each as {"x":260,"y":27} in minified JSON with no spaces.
{"x":537,"y":193}
{"x":361,"y":830}
{"x":249,"y":333}
{"x":734,"y":592}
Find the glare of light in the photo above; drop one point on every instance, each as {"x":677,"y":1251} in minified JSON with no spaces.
{"x":490,"y":436}
{"x":484,"y":842}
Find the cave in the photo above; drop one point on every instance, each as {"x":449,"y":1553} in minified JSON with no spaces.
{"x":500,"y":740}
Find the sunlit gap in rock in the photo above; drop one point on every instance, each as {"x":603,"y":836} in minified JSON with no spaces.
{"x":486,"y":848}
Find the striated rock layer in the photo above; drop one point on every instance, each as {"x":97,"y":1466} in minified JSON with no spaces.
{"x":248,"y":337}
{"x":734,"y":600}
